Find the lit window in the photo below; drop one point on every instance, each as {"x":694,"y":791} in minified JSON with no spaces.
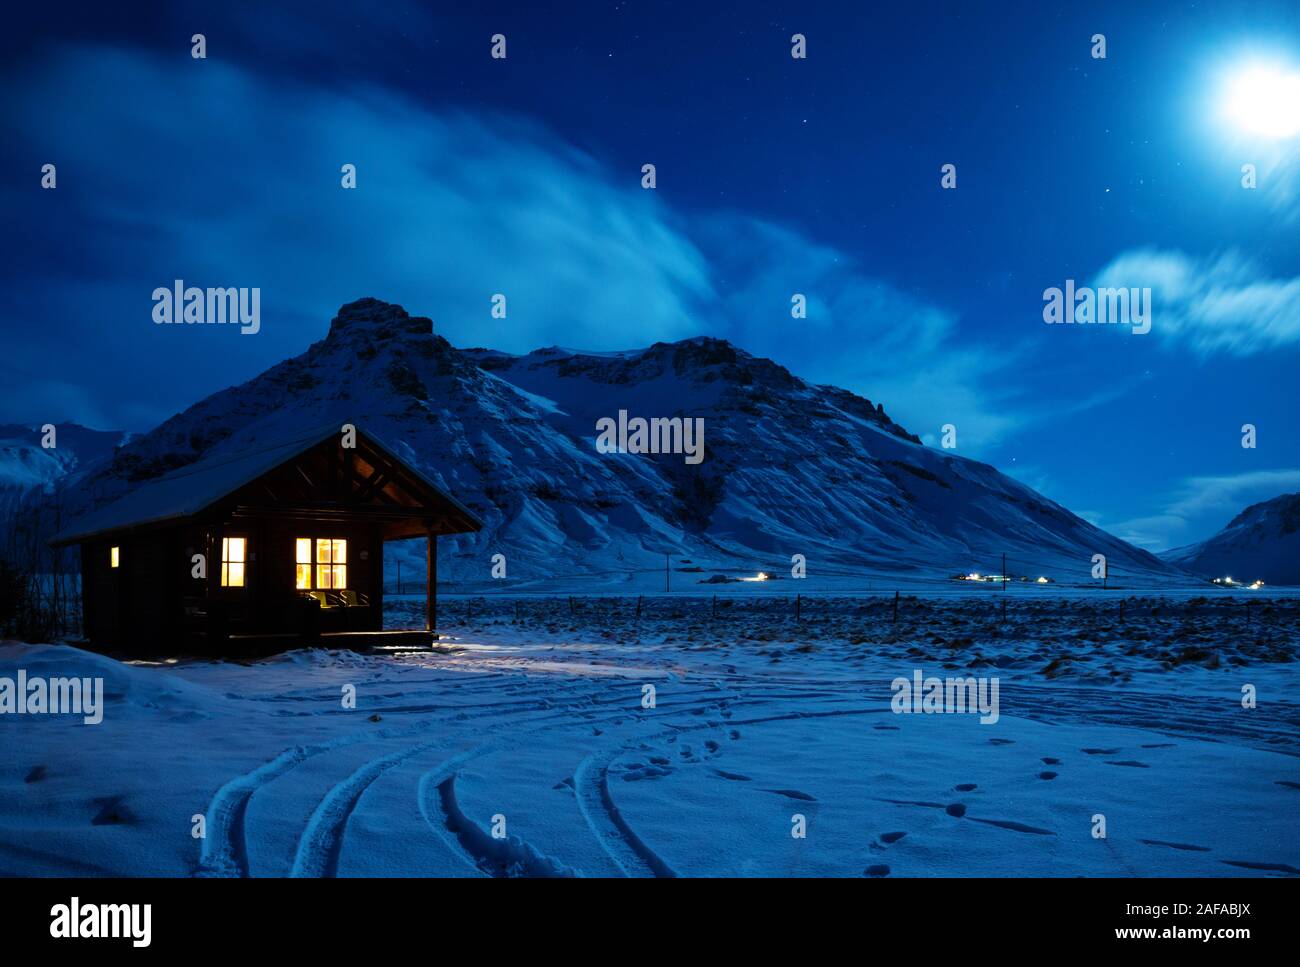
{"x":112,"y":557}
{"x":326,"y":559}
{"x":303,"y":559}
{"x":232,"y":562}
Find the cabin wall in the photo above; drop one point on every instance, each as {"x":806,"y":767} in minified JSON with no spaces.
{"x":99,"y":594}
{"x":154,"y":602}
{"x":132,"y":604}
{"x":274,"y":599}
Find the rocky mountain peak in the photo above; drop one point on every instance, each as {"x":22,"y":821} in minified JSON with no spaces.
{"x":379,"y":319}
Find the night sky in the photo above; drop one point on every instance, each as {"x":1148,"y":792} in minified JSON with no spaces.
{"x":775,"y":176}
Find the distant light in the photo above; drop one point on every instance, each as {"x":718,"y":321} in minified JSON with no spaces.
{"x":1264,"y":99}
{"x":760,"y":576}
{"x":1042,"y":580}
{"x":973,"y":577}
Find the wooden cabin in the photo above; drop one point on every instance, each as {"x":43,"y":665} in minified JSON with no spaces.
{"x":278,"y":546}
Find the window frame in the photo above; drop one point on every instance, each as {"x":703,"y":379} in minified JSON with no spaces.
{"x":316,"y":566}
{"x":226,"y":540}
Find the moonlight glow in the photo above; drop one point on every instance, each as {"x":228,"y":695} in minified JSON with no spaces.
{"x":1264,"y":99}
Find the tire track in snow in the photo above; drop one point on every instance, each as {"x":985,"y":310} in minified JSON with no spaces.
{"x":429,"y":799}
{"x":612,"y":832}
{"x":509,"y":857}
{"x":224,"y":851}
{"x":321,"y":841}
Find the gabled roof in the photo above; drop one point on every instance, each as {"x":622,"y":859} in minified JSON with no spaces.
{"x":192,"y":489}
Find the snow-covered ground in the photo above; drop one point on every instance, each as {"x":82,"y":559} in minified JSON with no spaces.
{"x":533,"y":719}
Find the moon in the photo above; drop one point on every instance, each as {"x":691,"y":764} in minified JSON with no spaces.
{"x":1264,"y":100}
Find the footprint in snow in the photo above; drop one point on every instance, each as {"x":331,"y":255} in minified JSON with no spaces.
{"x":956,"y":809}
{"x":878,"y":869}
{"x":1288,"y":783}
{"x":1050,"y":761}
{"x":733,"y":776}
{"x":1264,"y":867}
{"x":1047,"y":775}
{"x":1127,"y":762}
{"x":965,"y":787}
{"x":36,"y":775}
{"x":1012,"y":825}
{"x":1002,"y":741}
{"x":1182,"y":846}
{"x":1099,"y":751}
{"x":891,"y":837}
{"x":112,"y":812}
{"x":793,"y":794}
{"x":637,"y":773}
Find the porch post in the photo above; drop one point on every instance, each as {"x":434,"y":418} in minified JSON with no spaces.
{"x":431,"y":584}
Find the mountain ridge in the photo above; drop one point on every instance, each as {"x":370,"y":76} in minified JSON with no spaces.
{"x":1262,"y":542}
{"x":790,"y":467}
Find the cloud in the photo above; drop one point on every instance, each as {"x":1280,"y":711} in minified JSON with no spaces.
{"x":1223,"y":303}
{"x":214,"y":174}
{"x":861,"y":331}
{"x":1203,"y":505}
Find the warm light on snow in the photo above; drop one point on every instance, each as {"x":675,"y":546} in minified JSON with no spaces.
{"x":1264,"y":99}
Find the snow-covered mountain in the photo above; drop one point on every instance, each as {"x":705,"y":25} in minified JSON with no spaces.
{"x":27,"y":466}
{"x":1262,"y":542}
{"x":789,"y":467}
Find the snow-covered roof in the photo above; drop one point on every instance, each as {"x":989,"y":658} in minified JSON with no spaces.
{"x":192,"y":489}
